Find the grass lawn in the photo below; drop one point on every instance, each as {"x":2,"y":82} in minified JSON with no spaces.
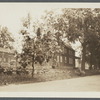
{"x":44,"y":75}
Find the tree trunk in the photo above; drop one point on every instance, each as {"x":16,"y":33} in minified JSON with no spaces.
{"x":96,"y":64}
{"x":32,"y":67}
{"x":99,"y":63}
{"x":83,"y":56}
{"x":16,"y":62}
{"x":91,"y":57}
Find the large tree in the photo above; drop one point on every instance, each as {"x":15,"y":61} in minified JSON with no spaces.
{"x":76,"y":25}
{"x":31,"y":50}
{"x":38,"y":45}
{"x":94,"y":40}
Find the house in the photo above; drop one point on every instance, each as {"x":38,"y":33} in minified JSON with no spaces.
{"x":66,"y":57}
{"x":7,"y":59}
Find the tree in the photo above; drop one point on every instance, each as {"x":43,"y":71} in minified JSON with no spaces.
{"x":76,"y":25}
{"x":94,"y":40}
{"x":92,"y":45}
{"x":6,"y":38}
{"x":80,"y":21}
{"x":31,"y":44}
{"x":51,"y":46}
{"x":37,"y":47}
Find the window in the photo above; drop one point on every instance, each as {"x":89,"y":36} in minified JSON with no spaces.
{"x":70,"y":52}
{"x":65,"y":50}
{"x":6,"y":59}
{"x":62,"y":49}
{"x":70,"y":60}
{"x":0,"y":58}
{"x":60,"y":58}
{"x":57,"y":58}
{"x":65,"y":59}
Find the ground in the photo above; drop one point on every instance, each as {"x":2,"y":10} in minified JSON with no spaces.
{"x":82,"y":84}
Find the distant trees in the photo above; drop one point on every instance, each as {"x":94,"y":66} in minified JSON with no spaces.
{"x":5,"y":38}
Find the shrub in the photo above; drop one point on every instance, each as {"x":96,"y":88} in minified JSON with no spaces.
{"x":21,"y":71}
{"x":79,"y":72}
{"x":1,"y":70}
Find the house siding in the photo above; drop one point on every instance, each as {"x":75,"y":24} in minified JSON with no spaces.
{"x":6,"y":58}
{"x":66,"y":58}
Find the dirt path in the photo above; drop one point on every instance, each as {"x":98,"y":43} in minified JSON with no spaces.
{"x":89,"y":83}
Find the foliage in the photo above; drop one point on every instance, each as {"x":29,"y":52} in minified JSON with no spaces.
{"x":80,"y":24}
{"x":94,"y":40}
{"x":5,"y":38}
{"x":37,"y":47}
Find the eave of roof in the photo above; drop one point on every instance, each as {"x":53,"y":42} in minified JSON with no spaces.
{"x":68,"y":46}
{"x":77,"y":57}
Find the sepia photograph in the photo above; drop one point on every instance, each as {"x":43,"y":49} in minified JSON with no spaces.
{"x":49,"y":48}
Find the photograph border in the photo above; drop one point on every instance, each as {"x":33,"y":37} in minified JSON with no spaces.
{"x":66,"y":95}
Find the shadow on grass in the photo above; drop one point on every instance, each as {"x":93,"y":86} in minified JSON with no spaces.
{"x":51,"y":75}
{"x":17,"y":79}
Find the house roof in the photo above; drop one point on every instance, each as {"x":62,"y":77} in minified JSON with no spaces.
{"x":6,"y":50}
{"x":77,"y":57}
{"x":67,"y":45}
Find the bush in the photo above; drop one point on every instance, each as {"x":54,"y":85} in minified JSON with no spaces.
{"x":79,"y":72}
{"x":1,"y":70}
{"x":53,"y":66}
{"x":6,"y":70}
{"x":21,"y":71}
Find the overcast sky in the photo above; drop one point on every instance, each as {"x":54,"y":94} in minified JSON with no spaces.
{"x":11,"y":14}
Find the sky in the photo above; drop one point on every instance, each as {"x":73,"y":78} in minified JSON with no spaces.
{"x":11,"y":14}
